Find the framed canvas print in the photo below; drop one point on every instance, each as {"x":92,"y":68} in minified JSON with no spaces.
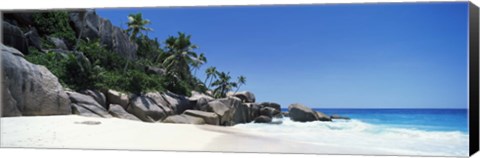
{"x":344,"y":79}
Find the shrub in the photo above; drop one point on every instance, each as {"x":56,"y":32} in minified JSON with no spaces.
{"x":55,"y":24}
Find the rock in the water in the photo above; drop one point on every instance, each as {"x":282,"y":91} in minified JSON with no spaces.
{"x":263,"y":119}
{"x":209,"y":117}
{"x":184,"y":119}
{"x":34,"y":90}
{"x":339,"y":117}
{"x":323,"y":117}
{"x":86,"y":105}
{"x":147,"y":110}
{"x":269,"y":111}
{"x":245,"y":96}
{"x":301,"y":113}
{"x":59,"y":43}
{"x":14,"y":37}
{"x":98,"y":96}
{"x":272,"y":105}
{"x":254,"y":110}
{"x":118,"y":112}
{"x":285,"y":114}
{"x":114,"y":97}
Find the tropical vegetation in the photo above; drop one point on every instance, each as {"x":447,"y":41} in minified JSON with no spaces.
{"x":92,"y":66}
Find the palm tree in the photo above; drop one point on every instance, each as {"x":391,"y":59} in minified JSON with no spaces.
{"x":223,"y":85}
{"x":211,"y":72}
{"x":198,"y":62}
{"x":136,"y":24}
{"x":180,"y":56}
{"x":241,"y":80}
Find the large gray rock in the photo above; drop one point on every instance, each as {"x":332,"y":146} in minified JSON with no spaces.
{"x":179,"y":103}
{"x":97,"y":96}
{"x":263,"y":119}
{"x":59,"y":43}
{"x":90,"y":26}
{"x":114,"y":97}
{"x":254,"y":110}
{"x":184,"y":119}
{"x":209,"y":117}
{"x":176,"y":103}
{"x":245,"y":96}
{"x":242,"y":112}
{"x":87,"y":106}
{"x":225,"y":109}
{"x":269,"y":111}
{"x":33,"y":38}
{"x":14,"y":37}
{"x":147,"y":110}
{"x":200,"y":100}
{"x":272,"y":105}
{"x":118,"y":112}
{"x":301,"y":113}
{"x":33,"y":89}
{"x":323,"y":117}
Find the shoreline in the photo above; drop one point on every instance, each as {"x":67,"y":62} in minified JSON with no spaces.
{"x":67,"y":131}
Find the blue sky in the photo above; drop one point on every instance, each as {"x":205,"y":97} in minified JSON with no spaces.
{"x":404,"y":55}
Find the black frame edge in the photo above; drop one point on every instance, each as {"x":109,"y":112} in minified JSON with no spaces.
{"x":474,"y":79}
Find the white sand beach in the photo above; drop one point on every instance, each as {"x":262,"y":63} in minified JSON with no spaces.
{"x":72,"y":131}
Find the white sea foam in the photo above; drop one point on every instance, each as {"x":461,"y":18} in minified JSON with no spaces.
{"x":361,"y":135}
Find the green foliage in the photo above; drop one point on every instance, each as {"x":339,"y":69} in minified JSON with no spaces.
{"x":133,"y":80}
{"x":136,"y":24}
{"x":73,"y":70}
{"x":53,"y":61}
{"x":101,"y":56}
{"x":55,"y":24}
{"x":149,"y":50}
{"x":223,"y":85}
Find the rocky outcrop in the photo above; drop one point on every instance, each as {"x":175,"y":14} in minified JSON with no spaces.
{"x":147,"y":110}
{"x":224,"y":108}
{"x":58,"y":43}
{"x":245,"y":96}
{"x":272,"y":105}
{"x":87,"y":106}
{"x":322,"y":117}
{"x":89,"y":25}
{"x":33,"y":38}
{"x":184,"y":119}
{"x":33,"y":89}
{"x":254,"y":110}
{"x":339,"y":117}
{"x":301,"y":113}
{"x":114,"y":97}
{"x":242,"y":112}
{"x":177,"y":102}
{"x":14,"y":37}
{"x":263,"y":119}
{"x":269,"y":111}
{"x":118,"y":112}
{"x":208,"y":117}
{"x":98,"y":96}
